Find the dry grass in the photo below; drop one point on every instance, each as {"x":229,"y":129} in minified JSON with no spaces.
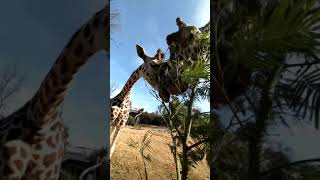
{"x":127,"y":163}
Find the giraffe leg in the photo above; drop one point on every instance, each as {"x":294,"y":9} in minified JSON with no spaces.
{"x":115,"y":134}
{"x":17,"y":155}
{"x":114,"y":140}
{"x":115,"y":110}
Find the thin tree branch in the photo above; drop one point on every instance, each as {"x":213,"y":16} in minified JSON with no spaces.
{"x":197,"y":143}
{"x":228,"y":102}
{"x":300,"y":64}
{"x":86,"y":171}
{"x":287,"y":165}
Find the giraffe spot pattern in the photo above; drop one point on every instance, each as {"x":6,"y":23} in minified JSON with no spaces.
{"x":78,"y":50}
{"x":57,"y":137}
{"x":7,"y":170}
{"x":56,"y":169}
{"x":106,"y":21}
{"x":91,"y":40}
{"x":48,"y":174}
{"x":35,"y":156}
{"x":86,"y":31}
{"x":49,"y":159}
{"x":38,"y":147}
{"x":23,"y":152}
{"x":60,"y":153}
{"x":50,"y":142}
{"x":19,"y":164}
{"x":31,"y":166}
{"x":10,"y":151}
{"x":37,"y":174}
{"x":54,"y":77}
{"x":56,"y":126}
{"x":73,"y":38}
{"x":64,"y":65}
{"x":95,"y":23}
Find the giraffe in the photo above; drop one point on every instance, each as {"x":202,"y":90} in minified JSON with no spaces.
{"x":184,"y":52}
{"x":121,"y":104}
{"x":32,"y":138}
{"x":183,"y":49}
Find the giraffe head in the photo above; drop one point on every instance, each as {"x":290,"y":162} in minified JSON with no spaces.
{"x":185,"y":49}
{"x":151,"y":71}
{"x":185,"y":36}
{"x":184,"y":39}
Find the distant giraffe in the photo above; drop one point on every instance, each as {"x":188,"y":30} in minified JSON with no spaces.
{"x":121,"y":104}
{"x":32,"y":138}
{"x":184,"y":50}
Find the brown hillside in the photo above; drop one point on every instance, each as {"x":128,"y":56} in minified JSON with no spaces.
{"x":127,"y":163}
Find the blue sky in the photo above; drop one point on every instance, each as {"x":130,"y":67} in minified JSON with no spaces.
{"x":147,"y":23}
{"x":301,"y":139}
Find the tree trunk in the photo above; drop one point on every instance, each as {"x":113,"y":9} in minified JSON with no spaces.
{"x":262,"y":117}
{"x":185,"y":162}
{"x":210,"y":159}
{"x":178,"y":168}
{"x":254,"y":160}
{"x":175,"y":154}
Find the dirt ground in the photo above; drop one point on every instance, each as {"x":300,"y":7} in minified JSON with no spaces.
{"x":127,"y":162}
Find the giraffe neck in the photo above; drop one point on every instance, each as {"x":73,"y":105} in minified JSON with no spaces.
{"x":135,"y":76}
{"x":88,"y":40}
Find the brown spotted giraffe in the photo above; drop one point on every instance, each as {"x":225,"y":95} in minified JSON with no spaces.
{"x":183,"y":50}
{"x":121,"y":104}
{"x":32,"y":138}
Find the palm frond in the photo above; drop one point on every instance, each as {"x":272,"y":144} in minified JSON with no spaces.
{"x":264,"y":42}
{"x":302,"y":93}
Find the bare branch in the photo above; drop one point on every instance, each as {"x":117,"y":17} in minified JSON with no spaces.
{"x":197,"y":144}
{"x":301,"y":64}
{"x":287,"y":165}
{"x":10,"y":83}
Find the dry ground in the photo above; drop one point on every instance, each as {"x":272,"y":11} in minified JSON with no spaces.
{"x":127,"y":163}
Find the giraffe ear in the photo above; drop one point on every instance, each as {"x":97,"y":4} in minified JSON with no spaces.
{"x":205,"y":28}
{"x":141,"y":53}
{"x":171,"y":38}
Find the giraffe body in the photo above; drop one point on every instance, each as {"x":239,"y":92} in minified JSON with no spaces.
{"x":121,"y":104}
{"x":32,"y":138}
{"x":31,"y":155}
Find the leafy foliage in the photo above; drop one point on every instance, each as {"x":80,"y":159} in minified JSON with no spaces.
{"x":286,"y":35}
{"x":254,"y":40}
{"x":151,"y":119}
